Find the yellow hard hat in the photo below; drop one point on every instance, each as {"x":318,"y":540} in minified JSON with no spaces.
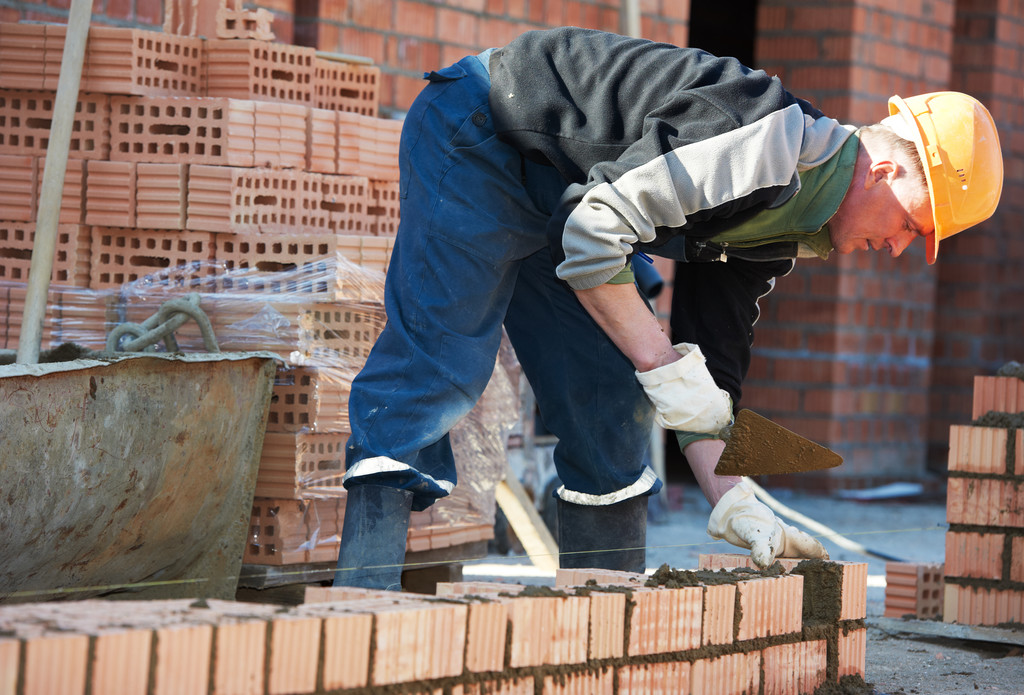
{"x":959,"y":147}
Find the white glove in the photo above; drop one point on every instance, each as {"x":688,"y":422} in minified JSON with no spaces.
{"x":742,"y":520}
{"x":684,"y":395}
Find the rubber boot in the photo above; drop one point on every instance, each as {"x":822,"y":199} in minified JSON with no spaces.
{"x":611,"y":537}
{"x":373,"y":537}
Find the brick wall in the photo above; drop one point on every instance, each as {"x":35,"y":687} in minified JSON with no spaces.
{"x":870,"y":355}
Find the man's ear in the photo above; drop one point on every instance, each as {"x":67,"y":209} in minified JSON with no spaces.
{"x":881,"y":170}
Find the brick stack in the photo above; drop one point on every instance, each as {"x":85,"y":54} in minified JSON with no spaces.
{"x":985,"y":508}
{"x":914,"y":589}
{"x":722,"y":633}
{"x":257,"y":175}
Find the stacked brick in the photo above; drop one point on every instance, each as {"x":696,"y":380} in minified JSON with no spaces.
{"x":257,"y":175}
{"x":984,"y":569}
{"x":735,"y":632}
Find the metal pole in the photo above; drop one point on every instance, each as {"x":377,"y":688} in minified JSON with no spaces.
{"x":52,"y":189}
{"x":630,"y":19}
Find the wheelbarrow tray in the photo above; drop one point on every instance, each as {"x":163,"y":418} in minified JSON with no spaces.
{"x":131,"y":474}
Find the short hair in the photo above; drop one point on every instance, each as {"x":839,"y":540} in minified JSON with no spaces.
{"x":915,"y":168}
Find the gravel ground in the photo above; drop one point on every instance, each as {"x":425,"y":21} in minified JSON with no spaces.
{"x":898,"y":661}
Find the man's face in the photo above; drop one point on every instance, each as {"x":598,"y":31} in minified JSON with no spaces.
{"x":882,"y":212}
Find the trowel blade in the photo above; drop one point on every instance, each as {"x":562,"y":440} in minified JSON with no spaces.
{"x":757,"y":446}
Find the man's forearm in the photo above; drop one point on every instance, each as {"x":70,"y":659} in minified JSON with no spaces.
{"x":624,"y":316}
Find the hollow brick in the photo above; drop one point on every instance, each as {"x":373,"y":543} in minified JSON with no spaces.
{"x":505,"y":686}
{"x":182,"y":659}
{"x":121,"y":60}
{"x":852,"y":652}
{"x":977,"y":555}
{"x":548,"y":630}
{"x":19,"y":185}
{"x":415,"y":642}
{"x":124,"y":255}
{"x":728,"y":561}
{"x":346,"y":653}
{"x":120,"y":662}
{"x":665,"y":620}
{"x":1017,"y":559}
{"x":797,"y":667}
{"x":486,"y":629}
{"x":597,"y":682}
{"x":770,"y":606}
{"x":322,"y":141}
{"x":648,"y":679}
{"x":566,"y":577}
{"x":10,"y":656}
{"x":732,"y":674}
{"x":161,"y":195}
{"x":607,"y":624}
{"x":55,"y":664}
{"x":347,"y":87}
{"x":978,"y":449}
{"x":1003,"y":394}
{"x":110,"y":194}
{"x":985,"y":502}
{"x":983,"y":605}
{"x":293,"y":656}
{"x":913,"y":588}
{"x":22,"y":55}
{"x":719,"y":614}
{"x":261,"y":70}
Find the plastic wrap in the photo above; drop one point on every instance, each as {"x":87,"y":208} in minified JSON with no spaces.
{"x":321,"y":319}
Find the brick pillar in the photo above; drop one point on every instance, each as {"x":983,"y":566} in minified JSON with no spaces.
{"x":979,"y":314}
{"x":842,"y":347}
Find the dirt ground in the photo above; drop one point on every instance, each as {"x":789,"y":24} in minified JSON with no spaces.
{"x":899,"y":661}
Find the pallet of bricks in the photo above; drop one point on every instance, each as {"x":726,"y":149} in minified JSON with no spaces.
{"x":984,"y":568}
{"x":256,"y":175}
{"x":796,"y":629}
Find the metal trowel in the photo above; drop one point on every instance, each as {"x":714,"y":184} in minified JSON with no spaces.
{"x":754,"y":445}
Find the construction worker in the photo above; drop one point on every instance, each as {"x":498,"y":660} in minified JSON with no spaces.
{"x":533,"y":177}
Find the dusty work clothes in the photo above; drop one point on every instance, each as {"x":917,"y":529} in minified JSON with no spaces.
{"x":472,"y":255}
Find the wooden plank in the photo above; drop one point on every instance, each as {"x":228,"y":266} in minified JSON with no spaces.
{"x":526,"y":522}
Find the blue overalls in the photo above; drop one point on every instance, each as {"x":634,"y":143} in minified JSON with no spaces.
{"x":472,"y":255}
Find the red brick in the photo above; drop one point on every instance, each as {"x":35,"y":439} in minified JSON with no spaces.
{"x":978,"y":449}
{"x":347,"y":87}
{"x":346,"y":662}
{"x":1004,"y":394}
{"x":770,"y":606}
{"x":161,"y":195}
{"x":665,"y":620}
{"x":580,"y":577}
{"x":110,"y":194}
{"x":913,"y":588}
{"x":25,"y":118}
{"x":182,"y":659}
{"x":985,"y":502}
{"x":120,"y":662}
{"x":599,"y":682}
{"x":970,"y":605}
{"x":19,"y":185}
{"x":719,"y":614}
{"x":1017,"y":559}
{"x":70,"y":261}
{"x":55,"y":664}
{"x":852,"y":652}
{"x":644,"y":679}
{"x":486,"y":637}
{"x":293,"y":656}
{"x":548,"y":631}
{"x":383,"y":208}
{"x":250,"y":69}
{"x":322,"y":141}
{"x":418,"y":642}
{"x":234,"y":23}
{"x":121,"y":60}
{"x":193,"y":130}
{"x":241,"y":648}
{"x":120,"y":255}
{"x":607,"y":625}
{"x":22,"y":55}
{"x":10,"y":656}
{"x":977,"y":555}
{"x":798,"y":667}
{"x":734,"y":674}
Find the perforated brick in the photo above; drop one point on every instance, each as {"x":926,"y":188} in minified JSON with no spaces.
{"x":194,"y":130}
{"x":1003,"y":394}
{"x":979,"y":450}
{"x":384,"y":210}
{"x":26,"y":116}
{"x":161,"y":195}
{"x":72,"y":204}
{"x":238,"y":23}
{"x":280,"y":135}
{"x":346,"y":86}
{"x":977,"y":555}
{"x":19,"y":185}
{"x":985,"y":502}
{"x":245,"y":201}
{"x":120,"y":60}
{"x":22,"y":55}
{"x":548,"y":631}
{"x":120,"y":256}
{"x":643,"y":679}
{"x":798,"y":667}
{"x":110,"y":194}
{"x":284,"y":532}
{"x":914,"y":589}
{"x":294,"y":465}
{"x":418,"y":642}
{"x":770,"y":606}
{"x":251,"y":69}
{"x":71,"y":253}
{"x":322,"y":141}
{"x":665,"y":620}
{"x":343,"y":200}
